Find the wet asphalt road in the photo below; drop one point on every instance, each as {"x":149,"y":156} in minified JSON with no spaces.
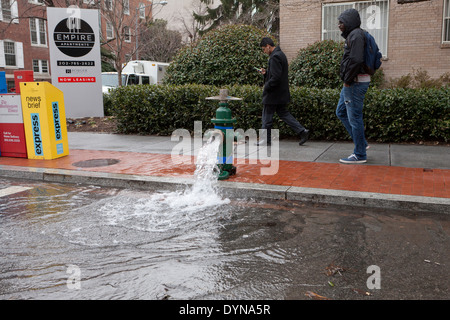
{"x":84,"y":242}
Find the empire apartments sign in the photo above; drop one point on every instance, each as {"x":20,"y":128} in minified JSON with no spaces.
{"x":74,"y":44}
{"x":75,"y":59}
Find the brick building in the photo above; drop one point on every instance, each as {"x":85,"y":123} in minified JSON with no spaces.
{"x":24,"y":34}
{"x":410,"y":33}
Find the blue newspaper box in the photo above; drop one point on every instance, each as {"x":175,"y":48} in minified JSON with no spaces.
{"x":3,"y":86}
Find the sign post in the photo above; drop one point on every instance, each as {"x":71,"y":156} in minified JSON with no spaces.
{"x":74,"y":44}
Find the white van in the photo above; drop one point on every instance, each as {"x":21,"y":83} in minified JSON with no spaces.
{"x":135,"y":72}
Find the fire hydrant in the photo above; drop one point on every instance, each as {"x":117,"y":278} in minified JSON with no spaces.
{"x":222,"y":122}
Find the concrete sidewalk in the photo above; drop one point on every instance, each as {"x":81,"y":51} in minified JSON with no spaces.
{"x":413,"y":177}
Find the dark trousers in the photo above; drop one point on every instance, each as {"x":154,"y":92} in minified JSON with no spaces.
{"x":284,"y":114}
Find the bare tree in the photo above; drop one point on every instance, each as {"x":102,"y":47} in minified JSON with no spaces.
{"x":120,"y":19}
{"x":191,"y":27}
{"x":263,"y":14}
{"x":124,"y":21}
{"x":160,"y":44}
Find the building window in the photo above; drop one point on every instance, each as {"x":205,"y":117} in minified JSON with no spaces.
{"x":108,"y":4}
{"x":37,"y":30}
{"x":40,"y":66}
{"x":446,"y":22}
{"x":44,"y":66}
{"x":409,"y":1}
{"x":6,"y":10}
{"x":374,"y":19}
{"x":126,"y":7}
{"x":11,"y":85}
{"x":126,"y":34}
{"x":9,"y":11}
{"x":11,"y":54}
{"x":109,"y":30}
{"x":141,"y":10}
{"x":36,"y":66}
{"x":36,"y":2}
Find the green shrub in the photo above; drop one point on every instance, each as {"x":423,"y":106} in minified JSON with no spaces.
{"x":419,"y":79}
{"x":223,"y":56}
{"x":150,"y":109}
{"x":401,"y":115}
{"x":318,"y":66}
{"x":107,"y":104}
{"x":390,"y":115}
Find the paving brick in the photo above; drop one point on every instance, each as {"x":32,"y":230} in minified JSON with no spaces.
{"x":363,"y":178}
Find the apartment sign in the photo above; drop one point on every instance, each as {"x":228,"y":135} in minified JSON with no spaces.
{"x":75,"y":59}
{"x":74,"y":37}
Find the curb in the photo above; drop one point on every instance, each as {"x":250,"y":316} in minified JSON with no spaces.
{"x":233,"y":189}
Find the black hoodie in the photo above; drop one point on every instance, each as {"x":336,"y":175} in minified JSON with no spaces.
{"x":353,"y":58}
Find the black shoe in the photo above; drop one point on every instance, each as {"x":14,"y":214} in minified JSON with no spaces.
{"x":263,"y":142}
{"x":304,"y":136}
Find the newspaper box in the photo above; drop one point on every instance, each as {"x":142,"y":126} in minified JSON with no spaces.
{"x":44,"y":120}
{"x":3,"y":85}
{"x":22,"y":76}
{"x":12,"y":134}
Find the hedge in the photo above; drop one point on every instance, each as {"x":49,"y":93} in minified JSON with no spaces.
{"x":226,"y":55}
{"x":318,"y":66}
{"x":390,"y":115}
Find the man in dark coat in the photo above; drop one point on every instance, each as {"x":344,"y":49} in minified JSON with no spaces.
{"x":276,"y":93}
{"x":356,"y":82}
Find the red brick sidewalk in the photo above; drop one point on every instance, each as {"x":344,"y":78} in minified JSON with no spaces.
{"x":367,"y":178}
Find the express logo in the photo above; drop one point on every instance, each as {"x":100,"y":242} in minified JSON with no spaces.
{"x":74,"y":37}
{"x":36,"y":126}
{"x":56,"y":119}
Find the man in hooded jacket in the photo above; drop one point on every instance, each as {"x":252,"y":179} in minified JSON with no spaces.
{"x":356,"y":82}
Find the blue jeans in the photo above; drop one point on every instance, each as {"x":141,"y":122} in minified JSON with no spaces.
{"x":350,"y":111}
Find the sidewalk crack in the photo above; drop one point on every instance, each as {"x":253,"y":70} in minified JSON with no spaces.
{"x":324,"y":151}
{"x":390,"y":156}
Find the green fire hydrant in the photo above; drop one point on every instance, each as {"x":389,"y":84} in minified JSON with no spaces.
{"x":222,"y":122}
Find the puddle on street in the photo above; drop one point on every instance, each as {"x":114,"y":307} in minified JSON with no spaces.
{"x":126,"y":244}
